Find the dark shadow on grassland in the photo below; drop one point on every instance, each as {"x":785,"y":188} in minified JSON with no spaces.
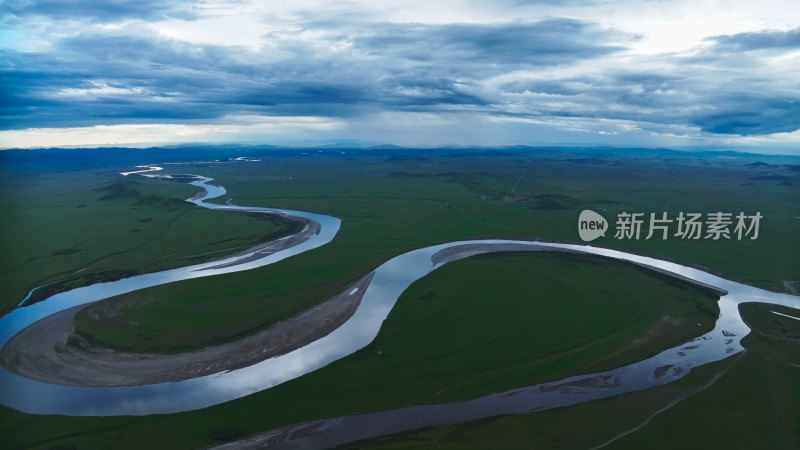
{"x":753,"y":405}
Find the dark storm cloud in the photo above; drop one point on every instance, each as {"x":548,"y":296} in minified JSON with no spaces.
{"x":43,"y":89}
{"x":737,"y":97}
{"x":549,"y":42}
{"x":100,"y":10}
{"x":92,"y":79}
{"x":748,"y":114}
{"x":709,"y":105}
{"x":765,"y":40}
{"x":64,"y":87}
{"x":110,"y":78}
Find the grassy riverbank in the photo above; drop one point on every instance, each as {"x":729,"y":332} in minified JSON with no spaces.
{"x":390,"y":203}
{"x":395,"y":201}
{"x":472,"y":327}
{"x":74,"y":229}
{"x":753,"y":405}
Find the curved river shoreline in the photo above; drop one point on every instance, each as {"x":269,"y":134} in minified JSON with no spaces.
{"x":387,"y":284}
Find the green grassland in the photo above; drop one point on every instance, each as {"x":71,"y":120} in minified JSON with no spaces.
{"x":753,"y":405}
{"x":72,"y":229}
{"x":429,"y":198}
{"x":392,"y":204}
{"x":472,"y":327}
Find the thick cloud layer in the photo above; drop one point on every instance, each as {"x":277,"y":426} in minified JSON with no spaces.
{"x":745,"y":42}
{"x":100,"y":11}
{"x":548,"y":42}
{"x":119,"y":62}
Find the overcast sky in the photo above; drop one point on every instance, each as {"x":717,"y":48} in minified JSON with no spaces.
{"x":650,"y":73}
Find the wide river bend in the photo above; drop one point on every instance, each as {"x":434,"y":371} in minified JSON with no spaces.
{"x":388,"y":283}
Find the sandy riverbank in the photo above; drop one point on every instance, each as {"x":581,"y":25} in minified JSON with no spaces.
{"x":50,"y":351}
{"x":466,"y":250}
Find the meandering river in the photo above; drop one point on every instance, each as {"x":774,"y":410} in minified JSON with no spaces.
{"x":389,"y":281}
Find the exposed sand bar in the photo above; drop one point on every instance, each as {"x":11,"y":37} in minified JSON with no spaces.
{"x":465,"y":250}
{"x":49,"y":351}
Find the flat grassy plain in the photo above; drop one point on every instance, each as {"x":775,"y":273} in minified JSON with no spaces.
{"x":70,"y":229}
{"x":392,"y":203}
{"x":472,"y":327}
{"x":754,"y":405}
{"x":399,"y":200}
